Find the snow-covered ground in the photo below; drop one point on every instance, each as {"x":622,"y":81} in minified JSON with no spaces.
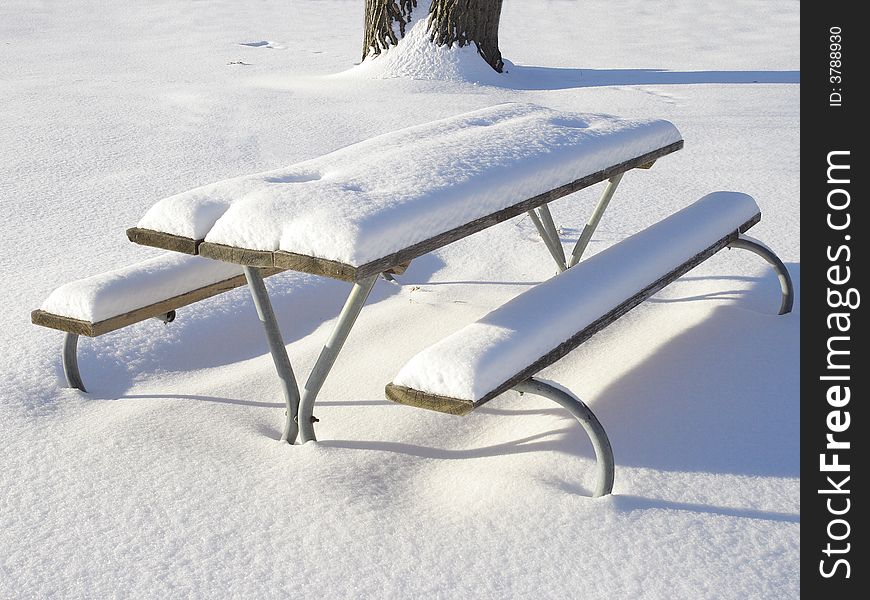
{"x":166,"y":480}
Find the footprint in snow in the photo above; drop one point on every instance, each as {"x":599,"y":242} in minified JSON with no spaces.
{"x":263,"y":44}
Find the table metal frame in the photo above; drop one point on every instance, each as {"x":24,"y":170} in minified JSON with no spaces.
{"x":299,"y":413}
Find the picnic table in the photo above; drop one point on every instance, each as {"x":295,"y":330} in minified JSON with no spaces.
{"x":374,"y":206}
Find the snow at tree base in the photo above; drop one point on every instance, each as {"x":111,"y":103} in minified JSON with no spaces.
{"x":167,"y":479}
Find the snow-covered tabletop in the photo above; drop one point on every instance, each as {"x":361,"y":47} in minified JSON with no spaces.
{"x":372,"y":205}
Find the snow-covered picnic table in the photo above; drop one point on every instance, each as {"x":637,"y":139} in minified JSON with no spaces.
{"x":373,"y":206}
{"x":370,"y":206}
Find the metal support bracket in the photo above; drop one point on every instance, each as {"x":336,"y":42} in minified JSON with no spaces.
{"x":594,"y":219}
{"x":758,"y":247}
{"x":593,"y":427}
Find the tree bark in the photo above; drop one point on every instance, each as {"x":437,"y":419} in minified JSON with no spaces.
{"x":383,"y":18}
{"x":463,"y":22}
{"x":460,"y":22}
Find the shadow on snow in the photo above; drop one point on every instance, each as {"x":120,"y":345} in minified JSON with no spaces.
{"x":722,"y":397}
{"x":221,"y":331}
{"x":521,"y":77}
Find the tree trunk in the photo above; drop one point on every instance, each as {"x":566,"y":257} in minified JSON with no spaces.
{"x":383,"y":17}
{"x":463,"y":22}
{"x":459,"y":22}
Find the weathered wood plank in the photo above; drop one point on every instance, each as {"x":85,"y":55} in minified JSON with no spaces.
{"x":346,"y":272}
{"x":411,"y":397}
{"x":167,"y":241}
{"x":418,"y":398}
{"x":399,"y":269}
{"x":86,"y":328}
{"x":315,"y":266}
{"x":47,"y":319}
{"x":233,"y":254}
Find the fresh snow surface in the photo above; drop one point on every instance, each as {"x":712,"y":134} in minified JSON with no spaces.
{"x":371,"y":199}
{"x":481,"y":356}
{"x":118,"y":291}
{"x":167,"y":479}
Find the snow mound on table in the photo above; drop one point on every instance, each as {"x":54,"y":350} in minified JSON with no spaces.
{"x":480,"y":357}
{"x":119,"y":291}
{"x":369,"y":200}
{"x":417,"y":57}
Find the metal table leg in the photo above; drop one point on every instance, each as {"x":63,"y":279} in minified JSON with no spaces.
{"x":594,"y":218}
{"x":550,"y":226}
{"x":554,"y":246}
{"x":277,"y":349}
{"x":346,"y":320}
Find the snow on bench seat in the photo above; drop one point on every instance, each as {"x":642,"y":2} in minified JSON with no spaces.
{"x":543,"y":324}
{"x":365,"y":208}
{"x":102,"y":303}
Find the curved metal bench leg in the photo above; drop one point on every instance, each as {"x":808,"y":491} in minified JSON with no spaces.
{"x":753,"y":245}
{"x":593,"y":427}
{"x":71,"y":359}
{"x":71,"y":362}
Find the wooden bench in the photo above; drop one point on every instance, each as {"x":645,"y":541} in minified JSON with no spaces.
{"x":153,"y":288}
{"x":506,"y":348}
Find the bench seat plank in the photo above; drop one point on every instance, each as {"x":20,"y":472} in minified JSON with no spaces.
{"x":368,"y":207}
{"x":543,"y":324}
{"x":108,"y":301}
